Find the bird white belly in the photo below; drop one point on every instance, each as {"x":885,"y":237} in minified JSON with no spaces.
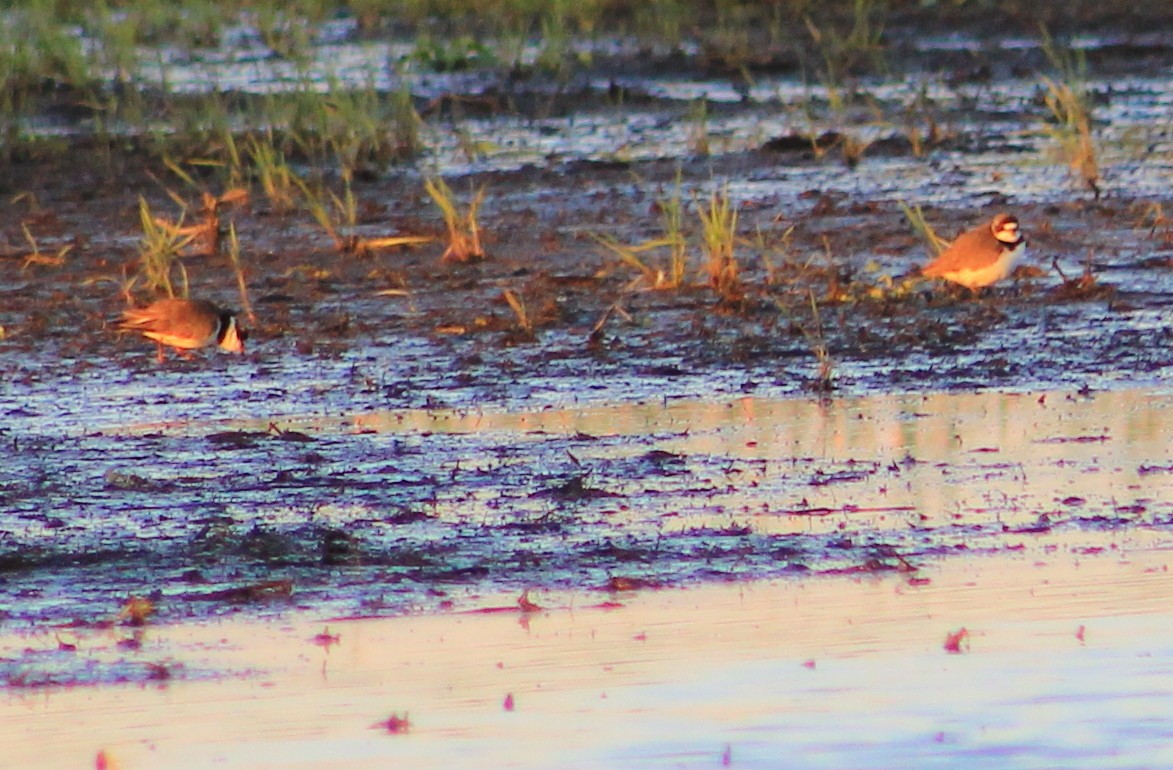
{"x":186,"y":343}
{"x":976,"y":278}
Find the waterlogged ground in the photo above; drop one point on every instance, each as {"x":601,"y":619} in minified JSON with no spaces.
{"x":397,"y":441}
{"x":392,"y":512}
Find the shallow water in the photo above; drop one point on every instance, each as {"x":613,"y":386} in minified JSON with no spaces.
{"x":386,"y":511}
{"x":1067,"y":663}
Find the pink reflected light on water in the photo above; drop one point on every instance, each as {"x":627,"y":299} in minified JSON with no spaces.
{"x":822,"y":672}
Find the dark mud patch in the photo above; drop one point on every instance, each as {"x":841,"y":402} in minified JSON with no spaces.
{"x":400,"y":329}
{"x":87,"y":659}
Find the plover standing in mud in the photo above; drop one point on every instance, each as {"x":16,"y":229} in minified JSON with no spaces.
{"x":982,"y":256}
{"x":185,"y":324}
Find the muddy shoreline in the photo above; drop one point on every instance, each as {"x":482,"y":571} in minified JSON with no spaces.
{"x":123,"y":477}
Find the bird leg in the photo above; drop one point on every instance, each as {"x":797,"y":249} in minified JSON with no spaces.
{"x":186,"y":355}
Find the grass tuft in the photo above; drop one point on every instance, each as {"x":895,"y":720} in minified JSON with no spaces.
{"x":673,"y":273}
{"x":824,"y":381}
{"x":159,"y":251}
{"x":336,"y":214}
{"x":916,"y":217}
{"x":719,"y":235}
{"x":238,"y":269}
{"x":278,"y":181}
{"x":1069,"y":104}
{"x":843,"y":53}
{"x":464,"y":232}
{"x":525,"y":322}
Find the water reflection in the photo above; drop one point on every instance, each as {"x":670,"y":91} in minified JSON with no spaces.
{"x":827,"y":672}
{"x":876,"y":427}
{"x":1020,"y":455}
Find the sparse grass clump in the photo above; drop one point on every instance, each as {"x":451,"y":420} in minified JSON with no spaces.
{"x":935,"y":243}
{"x":812,"y":330}
{"x":463,"y":52}
{"x":162,"y":244}
{"x":1070,"y":107}
{"x":843,"y":53}
{"x":672,"y":273}
{"x":464,"y":232}
{"x":853,"y":147}
{"x":238,"y":270}
{"x":720,"y":269}
{"x":364,"y":132}
{"x":699,"y":132}
{"x":719,"y":234}
{"x":336,"y":214}
{"x":338,"y":217}
{"x":824,"y":381}
{"x":405,"y":124}
{"x":36,"y":256}
{"x":525,"y":322}
{"x":271,"y":171}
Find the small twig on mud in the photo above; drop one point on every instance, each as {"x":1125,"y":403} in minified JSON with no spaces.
{"x":35,"y":257}
{"x":524,"y":322}
{"x":1083,"y":282}
{"x":596,"y":334}
{"x":1059,"y":270}
{"x":1088,"y":278}
{"x":1055,"y":265}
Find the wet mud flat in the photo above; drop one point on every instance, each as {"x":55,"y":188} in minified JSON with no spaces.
{"x":815,"y":172}
{"x":400,"y":439}
{"x":409,"y":511}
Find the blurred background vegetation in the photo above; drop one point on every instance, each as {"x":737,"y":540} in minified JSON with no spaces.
{"x":107,"y":64}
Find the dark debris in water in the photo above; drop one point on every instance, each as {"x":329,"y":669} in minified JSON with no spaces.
{"x":33,"y":671}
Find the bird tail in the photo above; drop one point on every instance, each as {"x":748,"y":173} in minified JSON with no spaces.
{"x":135,"y":318}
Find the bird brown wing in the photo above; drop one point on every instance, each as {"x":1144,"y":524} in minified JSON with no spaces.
{"x":971,"y":249}
{"x":174,"y":317}
{"x":137,"y":319}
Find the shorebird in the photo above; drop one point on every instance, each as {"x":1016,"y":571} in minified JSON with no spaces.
{"x":982,"y":256}
{"x":185,"y":324}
